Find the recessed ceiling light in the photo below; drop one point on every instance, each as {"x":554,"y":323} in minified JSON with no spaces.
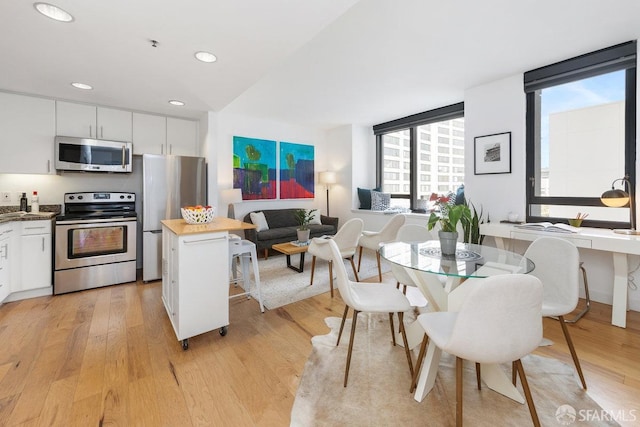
{"x":206,"y":57}
{"x":53,"y":12}
{"x":81,"y":86}
{"x":176,"y":102}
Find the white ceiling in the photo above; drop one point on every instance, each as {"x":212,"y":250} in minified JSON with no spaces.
{"x":316,"y":62}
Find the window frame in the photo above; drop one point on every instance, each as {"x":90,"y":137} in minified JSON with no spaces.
{"x":411,"y":123}
{"x":614,"y":58}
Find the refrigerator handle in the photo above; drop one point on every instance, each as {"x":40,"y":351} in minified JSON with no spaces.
{"x":156,"y":232}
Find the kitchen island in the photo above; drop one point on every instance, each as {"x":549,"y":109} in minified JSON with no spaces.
{"x":195,"y":279}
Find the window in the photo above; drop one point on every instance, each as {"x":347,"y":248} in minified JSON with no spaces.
{"x":581,"y":135}
{"x":420,"y":174}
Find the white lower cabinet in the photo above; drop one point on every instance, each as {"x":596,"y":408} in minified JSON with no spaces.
{"x":35,"y":255}
{"x":195,"y":286}
{"x":6,"y":252}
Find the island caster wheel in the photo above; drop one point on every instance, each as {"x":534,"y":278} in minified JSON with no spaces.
{"x":185,"y":344}
{"x":223,"y":331}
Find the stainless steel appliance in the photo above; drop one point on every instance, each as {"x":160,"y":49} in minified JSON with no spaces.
{"x":168,"y":183}
{"x":95,"y":241}
{"x":92,"y":155}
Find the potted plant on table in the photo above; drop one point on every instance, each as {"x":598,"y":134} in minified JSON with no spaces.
{"x":304,"y":216}
{"x":448,"y":218}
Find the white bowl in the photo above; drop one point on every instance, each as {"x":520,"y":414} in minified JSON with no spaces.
{"x":198,"y":216}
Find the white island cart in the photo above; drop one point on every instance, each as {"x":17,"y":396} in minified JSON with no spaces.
{"x":195,"y":280}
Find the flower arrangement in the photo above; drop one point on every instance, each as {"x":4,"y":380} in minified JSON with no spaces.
{"x":449,"y":215}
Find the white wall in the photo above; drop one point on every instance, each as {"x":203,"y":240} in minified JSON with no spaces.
{"x":500,"y":107}
{"x":223,"y":127}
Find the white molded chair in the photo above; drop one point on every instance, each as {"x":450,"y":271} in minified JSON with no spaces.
{"x":347,"y":240}
{"x":373,"y":239}
{"x":409,"y":233}
{"x":370,"y":298}
{"x":244,"y":251}
{"x":557,"y":265}
{"x":500,"y":321}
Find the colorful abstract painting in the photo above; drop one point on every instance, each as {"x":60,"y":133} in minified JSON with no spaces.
{"x":296,"y":171}
{"x":254,"y":167}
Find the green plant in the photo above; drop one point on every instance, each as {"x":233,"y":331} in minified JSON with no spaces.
{"x":472,"y":228}
{"x":449,"y":215}
{"x":303,"y":217}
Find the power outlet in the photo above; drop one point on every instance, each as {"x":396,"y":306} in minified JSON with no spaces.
{"x":6,"y":196}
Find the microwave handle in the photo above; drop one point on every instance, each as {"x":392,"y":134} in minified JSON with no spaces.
{"x":123,"y":154}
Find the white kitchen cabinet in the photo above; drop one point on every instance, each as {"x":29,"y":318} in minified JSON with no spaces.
{"x":35,"y":256}
{"x":149,"y":134}
{"x":27,"y":132}
{"x":88,"y":121}
{"x":182,"y":137}
{"x":6,"y":253}
{"x":195,"y":283}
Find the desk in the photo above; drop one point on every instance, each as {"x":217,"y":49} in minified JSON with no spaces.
{"x":424,"y":264}
{"x":592,"y":238}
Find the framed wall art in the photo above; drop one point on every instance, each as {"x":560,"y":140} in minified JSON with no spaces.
{"x":254,"y":167}
{"x":492,"y":154}
{"x":296,"y":171}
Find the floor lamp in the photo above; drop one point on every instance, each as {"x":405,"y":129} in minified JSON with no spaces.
{"x":231,"y":196}
{"x":327,"y":178}
{"x":616,"y":198}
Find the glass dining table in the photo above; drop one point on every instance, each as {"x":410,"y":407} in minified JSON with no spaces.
{"x":445,"y":280}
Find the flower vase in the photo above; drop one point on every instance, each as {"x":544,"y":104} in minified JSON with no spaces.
{"x":448,"y":242}
{"x":303,"y":235}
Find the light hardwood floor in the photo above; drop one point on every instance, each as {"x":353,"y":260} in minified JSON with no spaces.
{"x":110,"y":357}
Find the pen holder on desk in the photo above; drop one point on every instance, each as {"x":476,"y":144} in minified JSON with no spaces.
{"x":575,"y":222}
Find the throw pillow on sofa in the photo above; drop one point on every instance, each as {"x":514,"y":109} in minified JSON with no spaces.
{"x":258,"y":219}
{"x":316,"y":218}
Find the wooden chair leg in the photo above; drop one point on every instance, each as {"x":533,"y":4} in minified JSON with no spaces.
{"x":313,"y":269}
{"x":359,"y":258}
{"x":353,"y":332}
{"x":353,"y":266}
{"x":514,"y":378}
{"x":397,"y":285}
{"x":344,"y":317}
{"x":404,"y":289}
{"x":421,"y":354}
{"x":458,"y":392}
{"x":478,"y":376}
{"x":403,"y":332}
{"x":572,"y":350}
{"x":527,"y":393}
{"x":266,"y":253}
{"x":393,"y":333}
{"x":331,"y":277}
{"x":379,"y":268}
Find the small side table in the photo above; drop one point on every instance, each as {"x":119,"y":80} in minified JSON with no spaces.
{"x":289,"y":249}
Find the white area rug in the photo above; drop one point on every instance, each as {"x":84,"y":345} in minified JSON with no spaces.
{"x":378,"y":390}
{"x":281,"y":285}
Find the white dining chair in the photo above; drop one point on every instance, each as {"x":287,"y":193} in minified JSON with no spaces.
{"x":557,"y":265}
{"x":368,"y":298}
{"x":499,"y":321}
{"x":409,"y":233}
{"x":347,"y":240}
{"x":373,"y":239}
{"x":244,"y":252}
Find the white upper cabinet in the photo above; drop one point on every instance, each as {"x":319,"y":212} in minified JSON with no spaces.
{"x":27,"y":132}
{"x":182,"y":137}
{"x":149,"y":134}
{"x":88,"y":121}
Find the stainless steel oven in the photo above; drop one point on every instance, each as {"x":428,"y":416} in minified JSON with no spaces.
{"x":95,"y":241}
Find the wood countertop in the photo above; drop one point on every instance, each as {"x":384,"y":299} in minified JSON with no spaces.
{"x":219,"y":223}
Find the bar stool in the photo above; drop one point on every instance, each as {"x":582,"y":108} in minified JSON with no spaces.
{"x":243,"y":251}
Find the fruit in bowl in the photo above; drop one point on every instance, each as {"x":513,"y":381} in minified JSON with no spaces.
{"x":198,"y":214}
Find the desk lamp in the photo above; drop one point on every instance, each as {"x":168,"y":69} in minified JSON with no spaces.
{"x":616,"y":198}
{"x":327,"y":178}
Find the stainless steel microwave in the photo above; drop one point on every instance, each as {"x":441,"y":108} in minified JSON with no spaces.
{"x":92,"y":155}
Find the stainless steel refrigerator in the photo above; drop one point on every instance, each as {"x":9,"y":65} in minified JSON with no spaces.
{"x":168,"y":183}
